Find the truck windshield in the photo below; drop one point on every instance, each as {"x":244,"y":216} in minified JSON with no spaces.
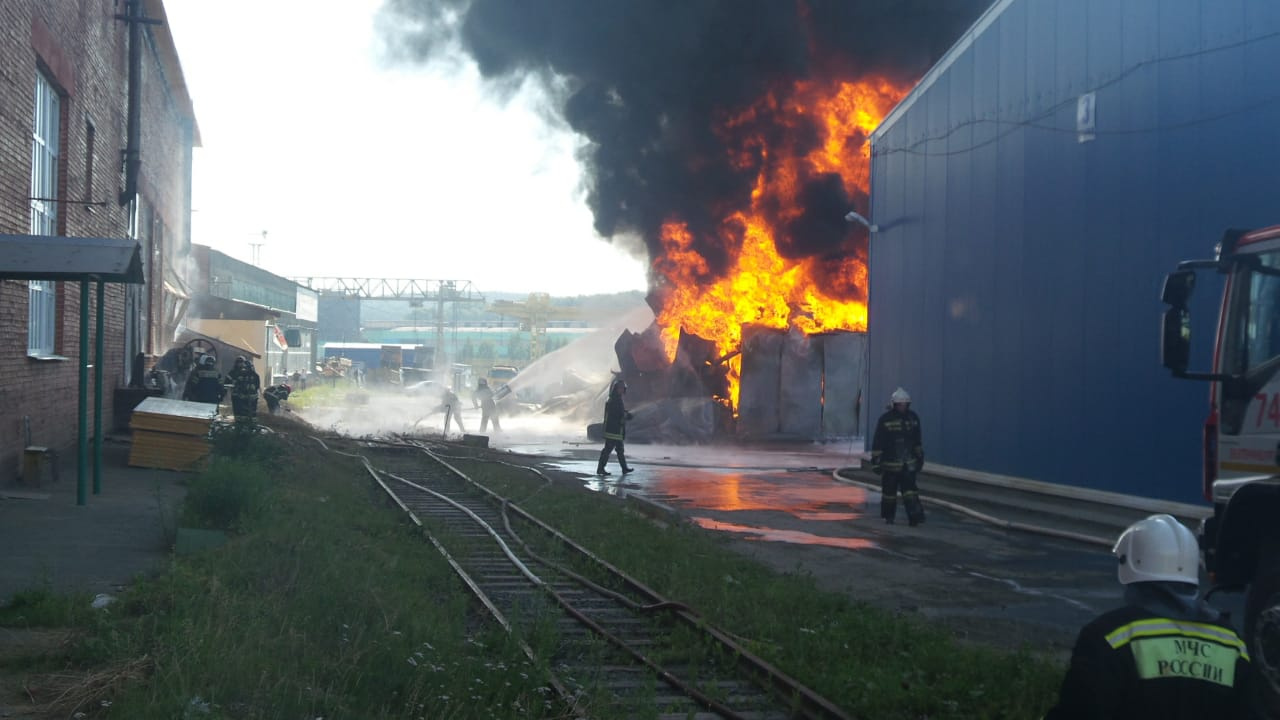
{"x":1256,"y":332}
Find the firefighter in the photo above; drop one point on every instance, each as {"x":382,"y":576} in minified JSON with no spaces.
{"x":245,"y":385}
{"x":615,"y":428}
{"x":1166,"y":653}
{"x":275,"y":395}
{"x":451,"y":406}
{"x":204,"y":384}
{"x":897,"y":454}
{"x":483,"y":399}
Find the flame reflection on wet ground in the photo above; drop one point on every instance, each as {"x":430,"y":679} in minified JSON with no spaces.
{"x":790,"y":536}
{"x":766,"y":505}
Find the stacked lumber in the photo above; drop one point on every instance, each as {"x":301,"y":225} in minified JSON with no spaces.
{"x":171,"y":434}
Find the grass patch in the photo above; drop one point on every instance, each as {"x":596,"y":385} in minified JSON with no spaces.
{"x":323,"y":604}
{"x":41,"y":607}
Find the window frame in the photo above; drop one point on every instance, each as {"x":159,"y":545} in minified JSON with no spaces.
{"x":46,"y":129}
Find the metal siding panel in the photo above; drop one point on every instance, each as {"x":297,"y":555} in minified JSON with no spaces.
{"x":759,"y":408}
{"x":800,"y":387}
{"x":1262,"y":17}
{"x":952,"y":353}
{"x":985,"y":219}
{"x":1221,"y":22}
{"x":923,"y":373}
{"x":1179,"y":23}
{"x":1141,"y":34}
{"x":1062,"y":183}
{"x":1011,"y":29}
{"x":1010,"y":319}
{"x":1105,"y":37}
{"x":1035,"y":354}
{"x":842,"y":380}
{"x":1041,"y":54}
{"x":1071,"y":61}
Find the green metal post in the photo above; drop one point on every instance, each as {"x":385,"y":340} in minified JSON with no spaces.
{"x":82,"y":446}
{"x":97,"y":397}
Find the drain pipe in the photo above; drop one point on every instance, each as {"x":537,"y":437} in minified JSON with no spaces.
{"x":132,"y":151}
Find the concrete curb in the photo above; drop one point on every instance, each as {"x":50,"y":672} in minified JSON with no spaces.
{"x":1101,"y":497}
{"x":1087,"y":538}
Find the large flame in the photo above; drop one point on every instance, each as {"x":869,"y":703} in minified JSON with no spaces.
{"x":763,"y":287}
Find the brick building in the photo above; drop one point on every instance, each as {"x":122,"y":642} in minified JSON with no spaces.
{"x":75,"y":162}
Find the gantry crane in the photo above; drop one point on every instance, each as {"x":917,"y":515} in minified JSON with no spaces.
{"x":413,"y":290}
{"x":533,"y":315}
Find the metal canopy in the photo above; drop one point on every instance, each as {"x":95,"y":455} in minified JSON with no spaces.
{"x":50,"y":257}
{"x":96,"y":260}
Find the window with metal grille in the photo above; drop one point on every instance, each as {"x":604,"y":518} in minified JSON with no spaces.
{"x":44,"y":211}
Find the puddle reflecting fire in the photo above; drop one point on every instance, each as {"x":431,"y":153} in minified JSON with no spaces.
{"x":810,"y":496}
{"x":788,"y":536}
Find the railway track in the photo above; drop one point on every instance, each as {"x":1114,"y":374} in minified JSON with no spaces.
{"x":611,"y":645}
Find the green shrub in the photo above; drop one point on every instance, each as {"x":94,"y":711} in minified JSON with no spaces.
{"x":226,"y":494}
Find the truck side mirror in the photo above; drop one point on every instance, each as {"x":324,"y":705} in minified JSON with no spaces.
{"x":1175,"y":339}
{"x":1177,"y":289}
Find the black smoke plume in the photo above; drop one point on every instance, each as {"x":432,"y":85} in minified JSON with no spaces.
{"x":646,"y":82}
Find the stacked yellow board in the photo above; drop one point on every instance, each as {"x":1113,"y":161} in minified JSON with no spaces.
{"x":171,"y":434}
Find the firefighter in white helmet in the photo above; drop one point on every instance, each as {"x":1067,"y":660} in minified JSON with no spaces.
{"x":897,"y":454}
{"x":1166,"y":654}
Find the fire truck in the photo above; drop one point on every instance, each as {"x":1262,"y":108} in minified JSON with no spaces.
{"x":1241,"y":540}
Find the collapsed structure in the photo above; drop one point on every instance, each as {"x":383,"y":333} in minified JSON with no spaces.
{"x":793,"y":386}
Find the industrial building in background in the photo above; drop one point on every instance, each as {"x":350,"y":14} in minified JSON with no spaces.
{"x":96,"y":143}
{"x":1029,"y":196}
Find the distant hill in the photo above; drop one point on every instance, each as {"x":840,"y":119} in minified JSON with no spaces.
{"x":593,"y":309}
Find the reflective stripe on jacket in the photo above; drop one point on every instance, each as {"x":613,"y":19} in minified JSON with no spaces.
{"x":1131,"y":664}
{"x":896,"y":445}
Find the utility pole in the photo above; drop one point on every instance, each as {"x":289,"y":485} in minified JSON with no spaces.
{"x":257,"y":247}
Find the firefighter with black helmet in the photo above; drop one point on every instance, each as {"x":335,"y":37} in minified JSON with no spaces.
{"x":1166,"y":654}
{"x":615,"y":428}
{"x":245,"y":384}
{"x":205,"y":384}
{"x":897,"y":454}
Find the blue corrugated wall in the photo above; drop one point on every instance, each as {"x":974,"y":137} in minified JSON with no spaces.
{"x":1016,"y":274}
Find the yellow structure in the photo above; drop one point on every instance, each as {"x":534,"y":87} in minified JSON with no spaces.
{"x":533,"y":315}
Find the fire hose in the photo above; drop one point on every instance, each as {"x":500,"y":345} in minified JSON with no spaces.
{"x":844,"y":475}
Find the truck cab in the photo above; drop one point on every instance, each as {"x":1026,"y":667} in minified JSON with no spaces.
{"x":1241,"y":439}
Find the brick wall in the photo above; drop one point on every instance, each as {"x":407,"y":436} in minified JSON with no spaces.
{"x":83,"y":50}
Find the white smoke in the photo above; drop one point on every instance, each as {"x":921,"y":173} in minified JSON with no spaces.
{"x":547,"y":398}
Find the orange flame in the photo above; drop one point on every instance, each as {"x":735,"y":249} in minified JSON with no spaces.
{"x":763,"y":287}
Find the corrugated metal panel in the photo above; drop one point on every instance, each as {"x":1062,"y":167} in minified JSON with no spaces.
{"x":1015,"y":278}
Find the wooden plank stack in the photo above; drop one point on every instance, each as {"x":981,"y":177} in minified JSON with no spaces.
{"x":171,"y":434}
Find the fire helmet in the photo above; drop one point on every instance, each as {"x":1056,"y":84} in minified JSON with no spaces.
{"x":900,"y":396}
{"x":619,"y":386}
{"x":483,"y":382}
{"x":1158,"y":548}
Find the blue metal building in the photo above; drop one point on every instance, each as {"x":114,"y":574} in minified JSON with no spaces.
{"x":1030,"y":195}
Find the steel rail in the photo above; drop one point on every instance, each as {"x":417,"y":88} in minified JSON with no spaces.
{"x":563,"y":692}
{"x":818,"y":706}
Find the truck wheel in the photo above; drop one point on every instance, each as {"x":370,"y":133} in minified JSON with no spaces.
{"x":1262,"y":630}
